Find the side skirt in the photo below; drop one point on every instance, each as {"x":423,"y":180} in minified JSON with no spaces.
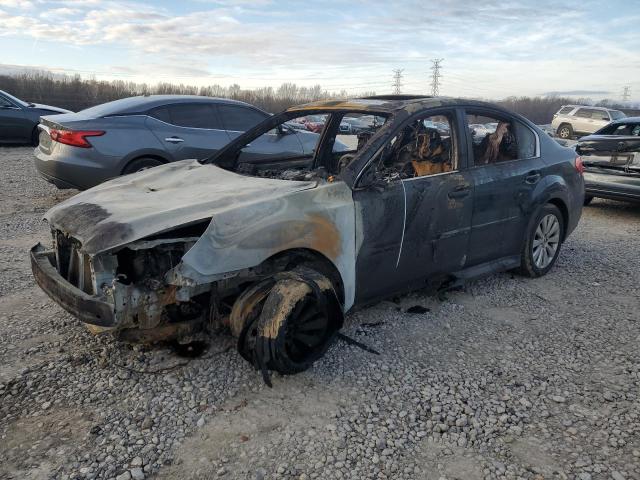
{"x":487,"y":268}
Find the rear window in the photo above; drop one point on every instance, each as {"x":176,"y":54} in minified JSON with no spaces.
{"x":194,"y":115}
{"x":239,"y":119}
{"x":565,"y":110}
{"x":627,"y":129}
{"x":161,"y":113}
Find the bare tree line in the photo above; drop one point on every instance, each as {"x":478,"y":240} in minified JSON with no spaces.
{"x":76,"y":93}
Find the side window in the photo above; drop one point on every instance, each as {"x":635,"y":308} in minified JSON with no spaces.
{"x":161,"y":113}
{"x":239,"y":119}
{"x":565,"y":110}
{"x":583,"y":113}
{"x":425,"y":146}
{"x":193,"y":115}
{"x":635,"y":130}
{"x":600,"y":115}
{"x":499,"y":139}
{"x":5,"y":103}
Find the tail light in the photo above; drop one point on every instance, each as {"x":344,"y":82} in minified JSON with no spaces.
{"x":75,"y":138}
{"x":579,"y":165}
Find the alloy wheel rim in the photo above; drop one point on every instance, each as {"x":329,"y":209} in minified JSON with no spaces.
{"x":546,"y":240}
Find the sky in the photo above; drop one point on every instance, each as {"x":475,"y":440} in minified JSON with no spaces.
{"x":490,"y":48}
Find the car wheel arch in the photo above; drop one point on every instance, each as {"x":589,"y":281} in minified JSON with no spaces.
{"x":138,"y":156}
{"x":564,"y":210}
{"x":310,"y":258}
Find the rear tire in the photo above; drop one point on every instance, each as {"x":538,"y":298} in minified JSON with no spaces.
{"x":565,"y":131}
{"x":587,"y":200}
{"x":140,"y":164}
{"x":543,"y":242}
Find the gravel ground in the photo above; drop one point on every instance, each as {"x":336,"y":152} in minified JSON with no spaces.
{"x":508,"y":378}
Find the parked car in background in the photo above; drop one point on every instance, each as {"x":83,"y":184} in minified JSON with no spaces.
{"x":278,"y":254}
{"x":573,"y":120}
{"x":356,"y":125}
{"x":314,"y":123}
{"x":19,"y":119}
{"x":611,"y":158}
{"x":81,"y":150}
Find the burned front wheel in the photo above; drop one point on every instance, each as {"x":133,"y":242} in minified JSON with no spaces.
{"x":287,"y":322}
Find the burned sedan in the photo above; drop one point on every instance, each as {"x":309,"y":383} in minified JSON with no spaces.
{"x":278,"y":252}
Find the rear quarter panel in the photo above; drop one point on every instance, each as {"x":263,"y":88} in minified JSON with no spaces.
{"x":561,"y":181}
{"x":126,"y":138}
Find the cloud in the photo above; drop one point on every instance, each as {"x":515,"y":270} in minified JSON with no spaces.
{"x":577,"y":92}
{"x":491,"y":48}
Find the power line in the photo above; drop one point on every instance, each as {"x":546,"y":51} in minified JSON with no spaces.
{"x":626,"y":93}
{"x":397,"y":80}
{"x":435,"y":76}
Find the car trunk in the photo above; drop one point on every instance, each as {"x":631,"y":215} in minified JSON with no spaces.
{"x":610,"y":153}
{"x":67,"y":121}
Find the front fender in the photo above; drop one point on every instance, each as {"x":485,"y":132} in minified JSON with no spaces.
{"x":319,"y":219}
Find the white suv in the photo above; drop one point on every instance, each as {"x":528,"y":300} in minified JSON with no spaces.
{"x":577,"y":119}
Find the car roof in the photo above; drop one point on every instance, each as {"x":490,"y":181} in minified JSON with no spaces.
{"x":390,"y":104}
{"x":144,"y":103}
{"x":592,"y":107}
{"x":627,"y":120}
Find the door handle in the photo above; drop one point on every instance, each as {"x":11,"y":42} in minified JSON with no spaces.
{"x":173,"y":139}
{"x":532,"y":177}
{"x":460,"y":191}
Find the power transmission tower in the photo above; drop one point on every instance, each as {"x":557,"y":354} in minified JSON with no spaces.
{"x":435,"y":76}
{"x":626,"y":93}
{"x":397,"y":80}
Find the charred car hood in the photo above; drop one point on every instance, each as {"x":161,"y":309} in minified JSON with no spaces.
{"x":157,"y":200}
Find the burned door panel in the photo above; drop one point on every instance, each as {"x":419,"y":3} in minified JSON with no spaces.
{"x":438,"y":224}
{"x":381,"y":213}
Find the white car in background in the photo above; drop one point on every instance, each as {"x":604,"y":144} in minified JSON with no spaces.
{"x":577,"y":119}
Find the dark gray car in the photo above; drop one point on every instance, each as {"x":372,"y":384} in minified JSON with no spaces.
{"x":611,"y":158}
{"x":81,"y":150}
{"x":19,"y":119}
{"x":279,"y":255}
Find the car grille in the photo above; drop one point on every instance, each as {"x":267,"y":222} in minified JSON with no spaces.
{"x":71,"y":264}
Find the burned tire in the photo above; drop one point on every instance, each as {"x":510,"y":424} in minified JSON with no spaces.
{"x":288,"y":321}
{"x":565,"y":131}
{"x":140,"y":164}
{"x":543,"y":242}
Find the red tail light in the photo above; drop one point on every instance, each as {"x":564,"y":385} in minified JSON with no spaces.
{"x":579,"y":165}
{"x":75,"y":138}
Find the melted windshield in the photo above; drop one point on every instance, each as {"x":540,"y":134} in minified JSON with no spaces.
{"x":299,"y":147}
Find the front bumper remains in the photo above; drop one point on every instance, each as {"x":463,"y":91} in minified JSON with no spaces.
{"x":90,"y":309}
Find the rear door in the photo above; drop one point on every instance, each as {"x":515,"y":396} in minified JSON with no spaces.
{"x":582,"y":121}
{"x":503,"y":186}
{"x":599,"y":119}
{"x":188,"y":130}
